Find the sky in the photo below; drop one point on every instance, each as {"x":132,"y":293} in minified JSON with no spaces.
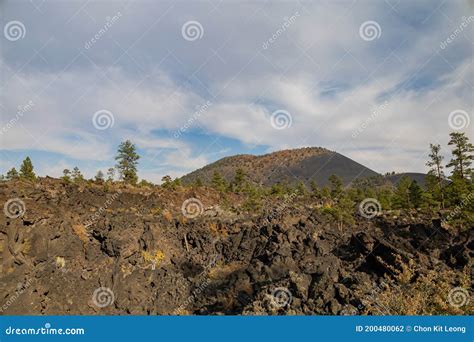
{"x":190,"y":82}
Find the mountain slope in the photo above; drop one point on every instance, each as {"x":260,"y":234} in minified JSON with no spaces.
{"x":291,"y":166}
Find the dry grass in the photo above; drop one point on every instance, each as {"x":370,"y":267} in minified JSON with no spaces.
{"x":410,"y":293}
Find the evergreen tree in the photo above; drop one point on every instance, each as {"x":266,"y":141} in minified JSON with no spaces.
{"x":415,"y":194}
{"x":12,"y":174}
{"x":66,"y":175}
{"x":110,"y":174}
{"x":435,"y":173}
{"x":301,"y":189}
{"x":77,"y":176}
{"x":218,"y":182}
{"x":239,"y":180}
{"x":462,"y":155}
{"x":26,"y":169}
{"x":197,"y":183}
{"x":127,"y":160}
{"x":336,"y":186}
{"x":166,"y":181}
{"x":99,"y":177}
{"x":402,"y":193}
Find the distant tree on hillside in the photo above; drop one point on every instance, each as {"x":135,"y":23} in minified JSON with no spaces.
{"x":127,"y":160}
{"x":166,"y":181}
{"x":66,"y":175}
{"x":12,"y":174}
{"x":336,"y":186}
{"x":76,"y":175}
{"x":239,"y":180}
{"x":218,"y":182}
{"x":198,"y":182}
{"x":110,"y":174}
{"x":99,"y":177}
{"x":26,"y":169}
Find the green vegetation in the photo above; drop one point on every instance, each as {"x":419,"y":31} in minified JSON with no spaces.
{"x":450,"y":198}
{"x":127,"y":160}
{"x":26,"y":170}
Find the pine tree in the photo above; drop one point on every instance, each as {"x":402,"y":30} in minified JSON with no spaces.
{"x":127,"y":158}
{"x":26,"y":170}
{"x":166,"y":181}
{"x":436,"y":171}
{"x":218,"y":182}
{"x":198,"y":182}
{"x":239,"y":180}
{"x":110,"y":174}
{"x":77,"y":176}
{"x":336,"y":186}
{"x":66,"y":175}
{"x":415,"y":194}
{"x":99,"y":177}
{"x":402,"y":193}
{"x":12,"y":174}
{"x":462,"y":155}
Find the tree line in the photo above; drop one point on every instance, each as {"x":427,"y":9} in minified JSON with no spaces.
{"x":452,"y":193}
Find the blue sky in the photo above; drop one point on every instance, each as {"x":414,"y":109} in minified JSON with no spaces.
{"x":374,"y":80}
